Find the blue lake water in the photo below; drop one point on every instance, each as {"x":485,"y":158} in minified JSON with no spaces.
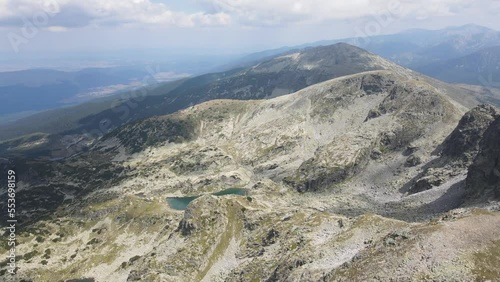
{"x":181,"y":203}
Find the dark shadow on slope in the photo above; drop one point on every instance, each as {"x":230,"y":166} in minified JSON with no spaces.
{"x":407,"y":187}
{"x":451,"y":199}
{"x":57,"y":185}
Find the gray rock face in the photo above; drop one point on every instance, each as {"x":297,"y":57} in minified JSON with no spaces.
{"x":413,"y":161}
{"x":196,"y":214}
{"x":464,"y":140}
{"x":458,"y":150}
{"x":394,"y":113}
{"x":483,"y":179}
{"x":428,"y":182}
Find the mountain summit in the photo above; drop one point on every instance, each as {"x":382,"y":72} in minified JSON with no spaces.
{"x":273,"y":77}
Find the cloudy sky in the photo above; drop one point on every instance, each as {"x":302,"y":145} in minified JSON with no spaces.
{"x":28,"y":26}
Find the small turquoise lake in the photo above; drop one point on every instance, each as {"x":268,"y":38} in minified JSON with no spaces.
{"x":181,"y":203}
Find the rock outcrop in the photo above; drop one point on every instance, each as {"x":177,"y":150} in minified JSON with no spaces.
{"x":463,"y":142}
{"x":483,"y":179}
{"x":458,"y":150}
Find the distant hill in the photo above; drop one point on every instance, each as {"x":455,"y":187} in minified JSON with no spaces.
{"x":41,"y":89}
{"x":437,"y":53}
{"x":415,"y":47}
{"x":67,"y":118}
{"x":34,"y":90}
{"x":419,"y":47}
{"x":480,"y":68}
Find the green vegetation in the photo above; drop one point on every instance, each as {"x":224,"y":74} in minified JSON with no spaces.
{"x":30,"y":255}
{"x":232,"y":231}
{"x":486,"y":263}
{"x":47,"y":254}
{"x":151,"y":132}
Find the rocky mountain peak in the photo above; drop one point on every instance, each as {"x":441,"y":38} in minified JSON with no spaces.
{"x":459,"y":149}
{"x":464,"y":140}
{"x":338,"y":59}
{"x":483,"y":179}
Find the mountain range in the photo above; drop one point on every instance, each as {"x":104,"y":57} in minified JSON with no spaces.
{"x":412,"y":48}
{"x":464,"y":54}
{"x":43,"y":89}
{"x":271,"y":77}
{"x":274,"y":77}
{"x":72,"y":87}
{"x":417,"y":47}
{"x":479,"y":68}
{"x":348,"y":162}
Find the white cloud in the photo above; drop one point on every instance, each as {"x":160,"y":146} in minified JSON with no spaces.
{"x":56,"y":28}
{"x":276,"y":12}
{"x":76,"y":13}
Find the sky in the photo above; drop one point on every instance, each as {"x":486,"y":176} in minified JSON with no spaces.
{"x":217,"y":26}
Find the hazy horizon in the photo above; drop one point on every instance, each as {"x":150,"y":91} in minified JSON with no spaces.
{"x":89,"y":30}
{"x":72,"y":60}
